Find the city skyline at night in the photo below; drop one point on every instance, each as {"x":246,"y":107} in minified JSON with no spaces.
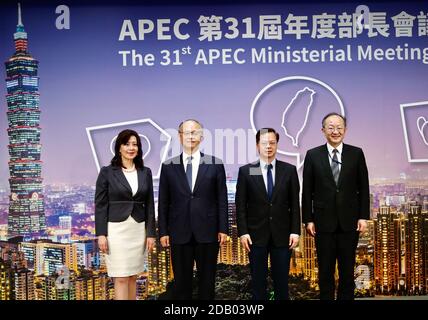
{"x":47,"y":230}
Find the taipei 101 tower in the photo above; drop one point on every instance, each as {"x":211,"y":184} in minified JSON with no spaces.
{"x":26,"y":209}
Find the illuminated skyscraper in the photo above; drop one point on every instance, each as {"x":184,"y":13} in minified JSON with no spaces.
{"x":54,"y":256}
{"x":46,"y":257}
{"x":6,"y":281}
{"x":415,"y":278}
{"x":16,"y":281}
{"x":24,"y":284}
{"x":387,"y":261}
{"x":26,"y":208}
{"x":365,"y":258}
{"x":425,"y":246}
{"x":160,"y":269}
{"x":310,"y":266}
{"x":29,"y":251}
{"x":85,"y":254}
{"x":85,"y":288}
{"x":92,"y":286}
{"x":232,"y":251}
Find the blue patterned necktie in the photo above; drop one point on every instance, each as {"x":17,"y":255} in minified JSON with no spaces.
{"x":335,"y":166}
{"x":269,"y":181}
{"x":189,"y":172}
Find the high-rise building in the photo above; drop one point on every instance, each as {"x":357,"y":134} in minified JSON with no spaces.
{"x":46,"y":288}
{"x":364,"y":271}
{"x":85,"y":254}
{"x":46,"y":257}
{"x":387,"y":260}
{"x":29,"y":251}
{"x":160,"y":269}
{"x":6,"y":281}
{"x":85,"y":288}
{"x":26,"y":208}
{"x":232,"y":251}
{"x":54,"y":256}
{"x":8,"y":248}
{"x":24,"y":284}
{"x":92,"y":285}
{"x":415,"y":277}
{"x":425,"y":246}
{"x":102,"y":285}
{"x":15,"y":278}
{"x":225,"y":252}
{"x":309,"y":257}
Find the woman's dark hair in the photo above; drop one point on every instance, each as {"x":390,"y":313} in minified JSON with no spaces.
{"x":123,"y":138}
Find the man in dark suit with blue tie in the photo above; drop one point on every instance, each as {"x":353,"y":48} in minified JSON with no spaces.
{"x":268,"y":215}
{"x":192,"y":213}
{"x":335,"y":206}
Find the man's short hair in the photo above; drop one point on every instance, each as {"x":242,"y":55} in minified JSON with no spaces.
{"x":266,"y":130}
{"x":180,"y":126}
{"x":333,"y":114}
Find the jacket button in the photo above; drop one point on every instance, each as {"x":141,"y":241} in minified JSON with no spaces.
{"x":270,"y":218}
{"x":270,"y":204}
{"x":337,"y":190}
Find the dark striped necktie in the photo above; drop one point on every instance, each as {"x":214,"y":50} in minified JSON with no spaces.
{"x":189,"y":172}
{"x":269,"y":181}
{"x":335,"y":169}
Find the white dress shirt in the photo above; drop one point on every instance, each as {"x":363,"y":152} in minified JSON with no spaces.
{"x":196,"y":159}
{"x":132,"y":178}
{"x":339,"y":149}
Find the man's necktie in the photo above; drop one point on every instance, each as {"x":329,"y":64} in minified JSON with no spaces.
{"x":269,"y":181}
{"x":335,"y":166}
{"x":189,"y":172}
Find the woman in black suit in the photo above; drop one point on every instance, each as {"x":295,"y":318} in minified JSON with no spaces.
{"x":124,"y":214}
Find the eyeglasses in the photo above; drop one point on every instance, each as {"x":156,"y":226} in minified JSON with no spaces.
{"x":332,"y":129}
{"x":195,"y":133}
{"x":265,"y":143}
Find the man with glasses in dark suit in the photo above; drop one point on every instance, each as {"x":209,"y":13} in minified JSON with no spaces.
{"x":335,"y":206}
{"x":193,"y":213}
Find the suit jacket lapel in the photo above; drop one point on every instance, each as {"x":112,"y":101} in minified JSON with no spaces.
{"x":344,"y":160}
{"x":179,"y":168}
{"x":326,"y":163}
{"x":279,"y":178}
{"x":203,"y":166}
{"x":141,"y":179}
{"x":122,"y":179}
{"x":257,"y":176}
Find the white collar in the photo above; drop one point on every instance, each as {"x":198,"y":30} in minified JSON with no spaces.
{"x":263,"y":164}
{"x":195,"y":156}
{"x":339,"y":148}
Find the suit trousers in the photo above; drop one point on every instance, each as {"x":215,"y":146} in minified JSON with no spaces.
{"x":280,"y":265}
{"x":183,"y":257}
{"x":337,"y":246}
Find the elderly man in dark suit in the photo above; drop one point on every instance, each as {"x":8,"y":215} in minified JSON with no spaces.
{"x":193,"y":213}
{"x":335,"y":206}
{"x":268,"y":215}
